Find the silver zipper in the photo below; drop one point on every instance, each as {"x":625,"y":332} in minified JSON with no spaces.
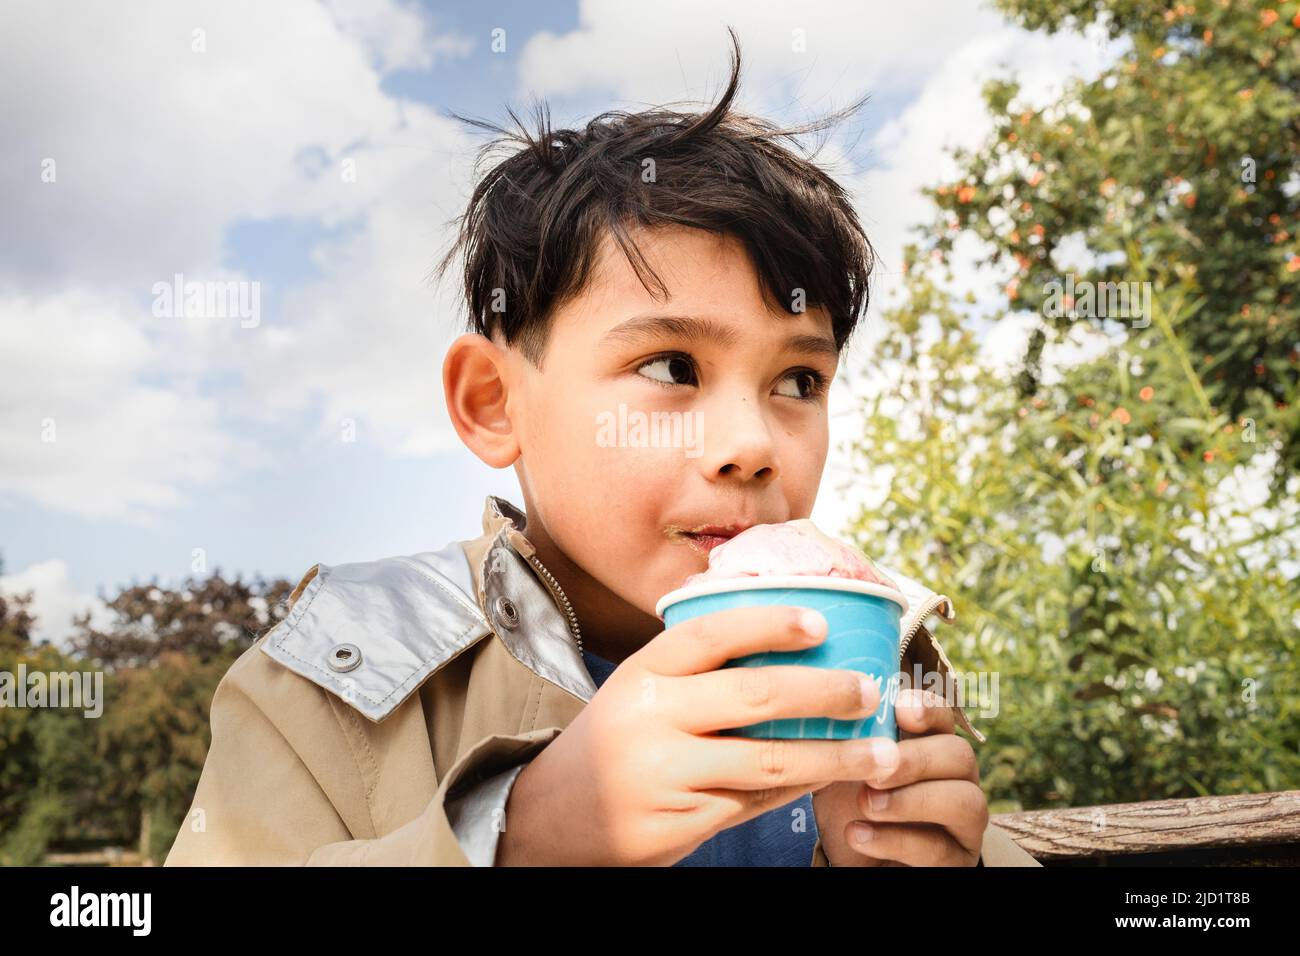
{"x":558,"y":591}
{"x":928,"y":608}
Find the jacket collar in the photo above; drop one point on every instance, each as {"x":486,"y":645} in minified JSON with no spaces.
{"x":521,"y":600}
{"x":372,"y":632}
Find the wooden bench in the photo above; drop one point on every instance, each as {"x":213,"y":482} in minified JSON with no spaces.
{"x":1251,"y":829}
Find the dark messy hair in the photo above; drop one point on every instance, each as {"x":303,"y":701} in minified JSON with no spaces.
{"x":535,"y":221}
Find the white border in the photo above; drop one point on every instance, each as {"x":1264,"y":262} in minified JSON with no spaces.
{"x":769,"y":582}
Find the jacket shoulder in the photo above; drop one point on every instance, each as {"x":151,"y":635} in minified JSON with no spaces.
{"x":370,"y":632}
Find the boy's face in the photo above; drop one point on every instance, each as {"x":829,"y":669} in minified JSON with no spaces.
{"x":734,"y":422}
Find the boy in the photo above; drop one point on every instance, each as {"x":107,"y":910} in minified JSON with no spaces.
{"x":514,"y":699}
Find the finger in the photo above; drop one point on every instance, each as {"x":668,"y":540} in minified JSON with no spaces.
{"x":729,"y":808}
{"x":923,"y":712}
{"x":958,"y":806}
{"x":934,"y":757}
{"x":707,"y":642}
{"x":740,"y":696}
{"x":881,"y":577}
{"x":739,"y":763}
{"x":839,"y":802}
{"x":910,"y":844}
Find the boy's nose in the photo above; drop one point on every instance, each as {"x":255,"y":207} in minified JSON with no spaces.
{"x":740,"y":447}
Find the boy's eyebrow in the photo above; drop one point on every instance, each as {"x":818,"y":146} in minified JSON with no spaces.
{"x":696,"y":329}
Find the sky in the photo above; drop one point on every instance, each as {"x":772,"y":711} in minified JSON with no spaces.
{"x":305,"y":147}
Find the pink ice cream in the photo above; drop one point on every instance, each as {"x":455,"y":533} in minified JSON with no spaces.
{"x":792,"y":547}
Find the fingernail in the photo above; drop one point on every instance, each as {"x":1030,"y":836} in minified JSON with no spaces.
{"x":812,"y":623}
{"x":879,"y":799}
{"x":885,"y":753}
{"x":861,"y":833}
{"x":869,"y":690}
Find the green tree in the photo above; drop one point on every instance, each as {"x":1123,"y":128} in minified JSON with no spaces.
{"x":1093,"y":519}
{"x":47,"y":767}
{"x":1186,"y":148}
{"x":1140,"y":619}
{"x":166,"y":650}
{"x":67,"y":781}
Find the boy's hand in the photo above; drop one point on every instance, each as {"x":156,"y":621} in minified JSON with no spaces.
{"x":930,"y":809}
{"x":641,"y":775}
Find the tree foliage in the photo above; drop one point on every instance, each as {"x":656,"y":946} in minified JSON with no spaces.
{"x":1187,"y":148}
{"x":1114,"y":511}
{"x":68,"y":780}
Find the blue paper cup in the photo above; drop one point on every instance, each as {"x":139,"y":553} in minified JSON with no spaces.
{"x":864,"y":633}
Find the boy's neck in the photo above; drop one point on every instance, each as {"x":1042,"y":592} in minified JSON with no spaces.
{"x":611,"y":628}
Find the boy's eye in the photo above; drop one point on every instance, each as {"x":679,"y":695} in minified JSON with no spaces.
{"x":669,"y":367}
{"x":679,"y":369}
{"x":814,"y":379}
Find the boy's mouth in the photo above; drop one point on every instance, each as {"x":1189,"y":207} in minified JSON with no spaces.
{"x":707,"y":537}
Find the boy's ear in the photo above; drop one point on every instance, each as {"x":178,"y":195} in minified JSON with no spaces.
{"x":476,"y":383}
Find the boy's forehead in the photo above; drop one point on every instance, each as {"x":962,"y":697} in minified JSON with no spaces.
{"x":709,"y":277}
{"x":680,"y":256}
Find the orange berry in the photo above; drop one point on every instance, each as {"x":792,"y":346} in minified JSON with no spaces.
{"x":1147,"y":393}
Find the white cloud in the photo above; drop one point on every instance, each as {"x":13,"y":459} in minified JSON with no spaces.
{"x":55,"y":602}
{"x":159,"y":147}
{"x":369,"y":336}
{"x":83,"y":429}
{"x":165,"y":128}
{"x":398,"y":35}
{"x":642,"y":52}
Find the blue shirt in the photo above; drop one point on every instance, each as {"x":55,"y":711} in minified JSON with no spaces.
{"x":783,"y":836}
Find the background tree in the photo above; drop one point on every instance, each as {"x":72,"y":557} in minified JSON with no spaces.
{"x":68,"y":782}
{"x":1119,"y":532}
{"x":202,"y":618}
{"x":1187,"y":147}
{"x":166,"y":650}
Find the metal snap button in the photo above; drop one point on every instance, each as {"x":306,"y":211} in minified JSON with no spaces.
{"x":506,"y":612}
{"x":344,"y":657}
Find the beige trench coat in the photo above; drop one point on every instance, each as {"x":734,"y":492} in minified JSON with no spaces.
{"x":383,"y":721}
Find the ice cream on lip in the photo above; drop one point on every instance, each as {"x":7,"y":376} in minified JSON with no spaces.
{"x":795,"y":547}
